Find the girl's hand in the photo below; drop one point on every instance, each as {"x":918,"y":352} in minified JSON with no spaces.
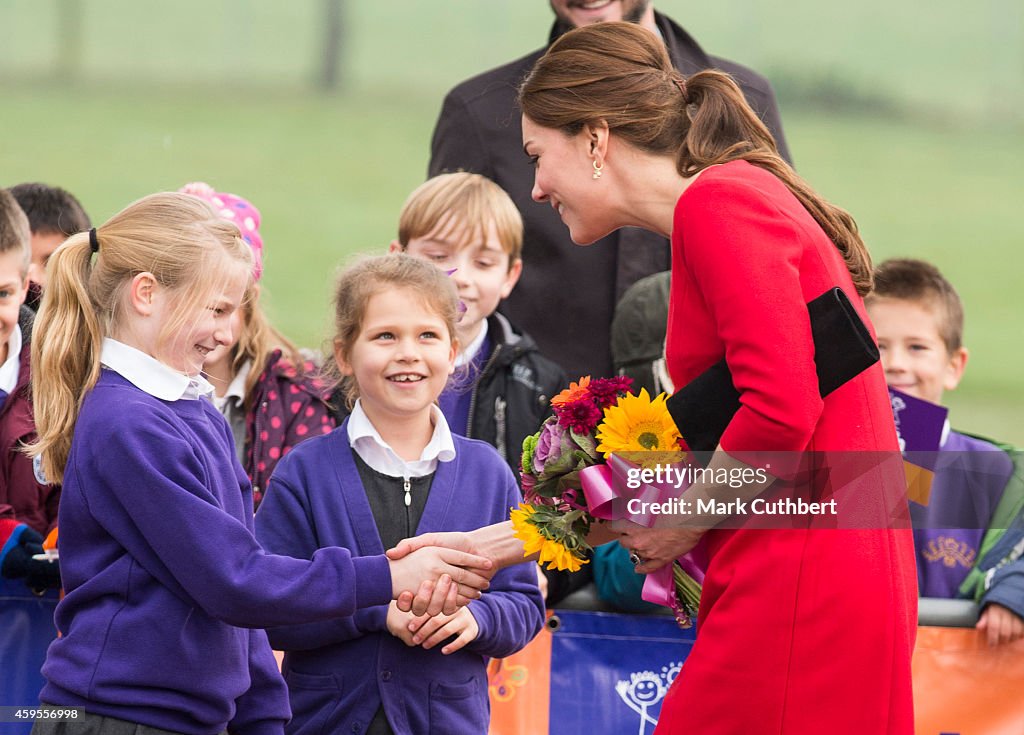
{"x":430,"y":631}
{"x":542,"y":582}
{"x":445,"y":579}
{"x":1001,"y":625}
{"x":399,"y":624}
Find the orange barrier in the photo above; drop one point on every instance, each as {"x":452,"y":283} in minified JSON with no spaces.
{"x":964,"y":687}
{"x":520,"y":688}
{"x":961,"y":687}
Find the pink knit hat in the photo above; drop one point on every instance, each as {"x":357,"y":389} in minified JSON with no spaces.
{"x":237,"y":210}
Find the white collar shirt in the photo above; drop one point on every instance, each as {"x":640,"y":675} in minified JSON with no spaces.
{"x":11,"y":368}
{"x":467,"y":354}
{"x":235,"y":394}
{"x":150,"y":375}
{"x":366,"y":441}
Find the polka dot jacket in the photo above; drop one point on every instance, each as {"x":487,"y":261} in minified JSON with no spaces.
{"x":286,"y":408}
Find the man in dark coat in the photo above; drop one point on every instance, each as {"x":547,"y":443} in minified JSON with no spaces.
{"x":567,"y":294}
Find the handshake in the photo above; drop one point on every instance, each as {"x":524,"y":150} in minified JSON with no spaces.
{"x":438,"y":573}
{"x":20,"y":557}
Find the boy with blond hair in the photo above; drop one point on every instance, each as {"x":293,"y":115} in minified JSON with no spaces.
{"x":970,"y":535}
{"x":466,"y":224}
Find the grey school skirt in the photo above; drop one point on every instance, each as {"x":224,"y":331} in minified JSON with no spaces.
{"x":89,"y":724}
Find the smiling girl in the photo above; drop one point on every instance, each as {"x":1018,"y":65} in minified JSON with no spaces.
{"x":391,"y":470}
{"x":166,"y":584}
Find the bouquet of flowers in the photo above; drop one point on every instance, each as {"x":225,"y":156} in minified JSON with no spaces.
{"x":592,"y":419}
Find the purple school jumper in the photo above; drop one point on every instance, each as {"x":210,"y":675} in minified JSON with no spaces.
{"x":339,"y":672}
{"x":970,"y":477}
{"x":165,"y":579}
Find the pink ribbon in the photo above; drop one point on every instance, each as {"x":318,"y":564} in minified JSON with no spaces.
{"x":604,"y":485}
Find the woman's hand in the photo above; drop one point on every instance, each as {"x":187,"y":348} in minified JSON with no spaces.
{"x":496,"y":542}
{"x":458,"y":540}
{"x":445,"y":579}
{"x":656,"y":547}
{"x":1001,"y":625}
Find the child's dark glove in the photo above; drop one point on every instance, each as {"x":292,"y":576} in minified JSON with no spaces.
{"x":16,"y":560}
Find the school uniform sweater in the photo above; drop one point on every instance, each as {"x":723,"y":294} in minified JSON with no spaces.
{"x":339,"y":672}
{"x":970,"y":477}
{"x":164,"y":577}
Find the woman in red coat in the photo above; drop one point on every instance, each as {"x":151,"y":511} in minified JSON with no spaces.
{"x":800,"y":630}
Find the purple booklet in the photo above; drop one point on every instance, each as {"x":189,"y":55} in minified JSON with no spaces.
{"x":919,"y":423}
{"x":919,"y":427}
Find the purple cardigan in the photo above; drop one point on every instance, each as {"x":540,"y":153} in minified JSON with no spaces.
{"x":339,"y":672}
{"x":165,"y":579}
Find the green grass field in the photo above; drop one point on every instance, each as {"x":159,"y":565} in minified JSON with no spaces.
{"x":162,"y":98}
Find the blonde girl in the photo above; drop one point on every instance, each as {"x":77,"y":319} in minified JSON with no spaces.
{"x":263,"y":385}
{"x":165,"y":581}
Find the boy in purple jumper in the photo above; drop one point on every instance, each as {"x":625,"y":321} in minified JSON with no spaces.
{"x":966,"y":539}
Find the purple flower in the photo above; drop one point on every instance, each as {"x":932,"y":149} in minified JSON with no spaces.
{"x":549,"y":445}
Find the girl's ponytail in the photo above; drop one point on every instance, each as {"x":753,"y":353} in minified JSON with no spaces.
{"x":65,"y":353}
{"x":180,"y":240}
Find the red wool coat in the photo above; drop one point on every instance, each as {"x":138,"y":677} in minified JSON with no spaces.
{"x":807,"y":630}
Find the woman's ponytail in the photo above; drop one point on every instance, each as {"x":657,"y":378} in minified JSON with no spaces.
{"x":621,"y":74}
{"x":723,"y":127}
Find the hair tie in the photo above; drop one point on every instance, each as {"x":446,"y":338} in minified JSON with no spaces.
{"x":681,"y":83}
{"x":94,"y":241}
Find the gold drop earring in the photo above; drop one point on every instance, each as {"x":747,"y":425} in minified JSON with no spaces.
{"x":598,"y":169}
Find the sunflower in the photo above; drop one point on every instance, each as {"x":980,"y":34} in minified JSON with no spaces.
{"x":574,"y":392}
{"x":555,"y":554}
{"x":637,"y":424}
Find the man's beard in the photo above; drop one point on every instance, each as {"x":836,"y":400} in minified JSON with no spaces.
{"x":634,"y":12}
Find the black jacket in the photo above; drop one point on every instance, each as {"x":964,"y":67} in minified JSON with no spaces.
{"x":512,"y":394}
{"x":479,"y":130}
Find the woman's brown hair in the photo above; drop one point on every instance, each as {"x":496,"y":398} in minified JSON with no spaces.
{"x":621,"y":74}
